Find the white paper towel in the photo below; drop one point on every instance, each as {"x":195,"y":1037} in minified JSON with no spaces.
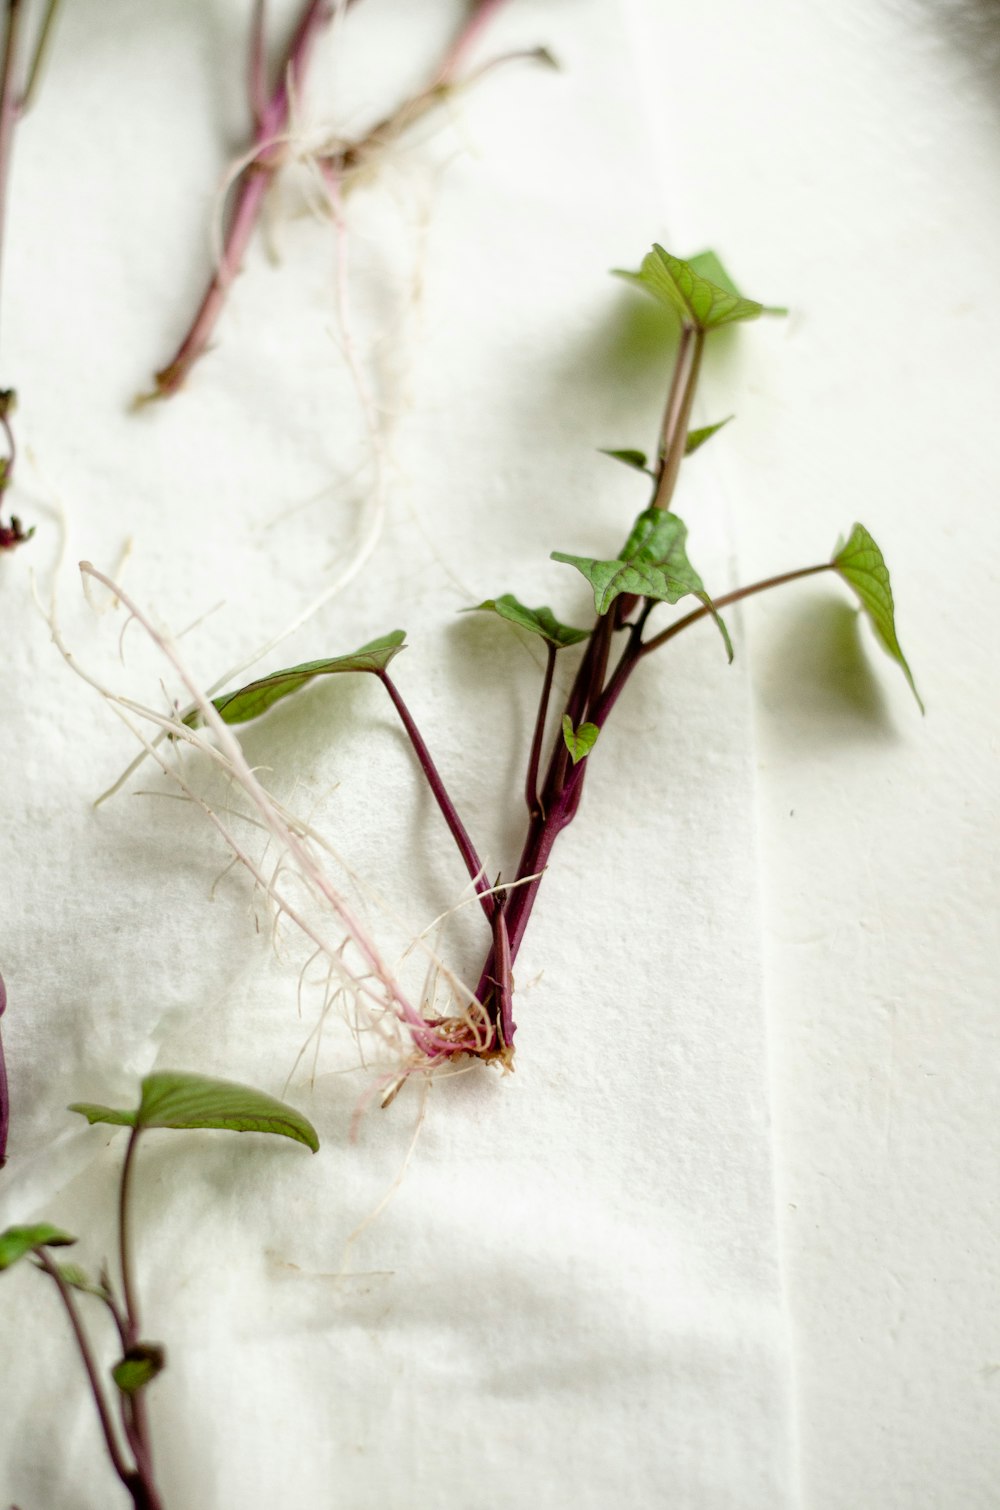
{"x":572,"y":1297}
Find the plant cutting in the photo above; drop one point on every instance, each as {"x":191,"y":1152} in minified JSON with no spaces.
{"x":20,"y":71}
{"x":652,"y":569}
{"x":168,"y":1099}
{"x":339,"y":163}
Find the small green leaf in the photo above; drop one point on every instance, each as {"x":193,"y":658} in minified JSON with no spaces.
{"x":18,"y":1242}
{"x":95,"y":1113}
{"x":697,"y":438}
{"x":688,"y":289}
{"x":653,"y":563}
{"x":257,"y":697}
{"x":540,"y":621}
{"x":636,"y":459}
{"x":579,"y":742}
{"x":174,"y":1098}
{"x":720,"y":624}
{"x":79,"y":1279}
{"x":139,"y":1367}
{"x":863,"y":568}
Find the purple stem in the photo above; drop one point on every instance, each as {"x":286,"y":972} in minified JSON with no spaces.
{"x":479,"y":18}
{"x":564,"y":788}
{"x":250,"y":192}
{"x":531,"y":795}
{"x":4,"y":1093}
{"x":732,"y":597}
{"x":10,"y":112}
{"x":458,"y":830}
{"x":503,"y":978}
{"x":93,"y":1378}
{"x":134,"y":1413}
{"x":257,"y":66}
{"x":10,"y":107}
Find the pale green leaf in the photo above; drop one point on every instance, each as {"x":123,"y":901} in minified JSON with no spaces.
{"x":709,"y":265}
{"x":541,"y":621}
{"x":863,"y":568}
{"x":720,"y":624}
{"x":18,"y":1242}
{"x":653,"y":563}
{"x":696,"y":299}
{"x":258,"y":696}
{"x":697,"y":438}
{"x":636,"y":459}
{"x":580,"y":741}
{"x":78,"y":1279}
{"x":139,"y":1367}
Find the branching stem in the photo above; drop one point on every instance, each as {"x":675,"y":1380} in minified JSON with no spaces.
{"x":253,"y":183}
{"x":93,"y":1378}
{"x":736,"y":596}
{"x":10,"y":106}
{"x":271,"y":123}
{"x":14,"y":101}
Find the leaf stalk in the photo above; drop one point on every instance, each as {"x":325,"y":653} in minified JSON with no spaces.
{"x":450,"y":813}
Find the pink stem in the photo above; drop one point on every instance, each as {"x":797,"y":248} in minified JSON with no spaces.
{"x":459,"y":832}
{"x":479,"y":19}
{"x":253,"y":185}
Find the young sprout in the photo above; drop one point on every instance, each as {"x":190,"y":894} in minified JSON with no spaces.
{"x":652,"y":568}
{"x":169,"y":1099}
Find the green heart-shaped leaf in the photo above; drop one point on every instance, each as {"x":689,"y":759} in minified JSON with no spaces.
{"x":541,"y":621}
{"x":18,"y":1242}
{"x":580,"y":741}
{"x":257,"y":697}
{"x":179,"y":1100}
{"x":863,"y":568}
{"x":699,"y":291}
{"x":653,"y":563}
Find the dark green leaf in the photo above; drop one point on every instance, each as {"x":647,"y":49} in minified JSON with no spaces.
{"x":863,"y":568}
{"x":697,"y":299}
{"x":177,"y":1099}
{"x":636,"y":459}
{"x":257,"y":697}
{"x":653,"y":563}
{"x":18,"y":1242}
{"x":537,"y":620}
{"x":174,"y":1098}
{"x":139,"y":1367}
{"x":697,"y":438}
{"x":579,"y":742}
